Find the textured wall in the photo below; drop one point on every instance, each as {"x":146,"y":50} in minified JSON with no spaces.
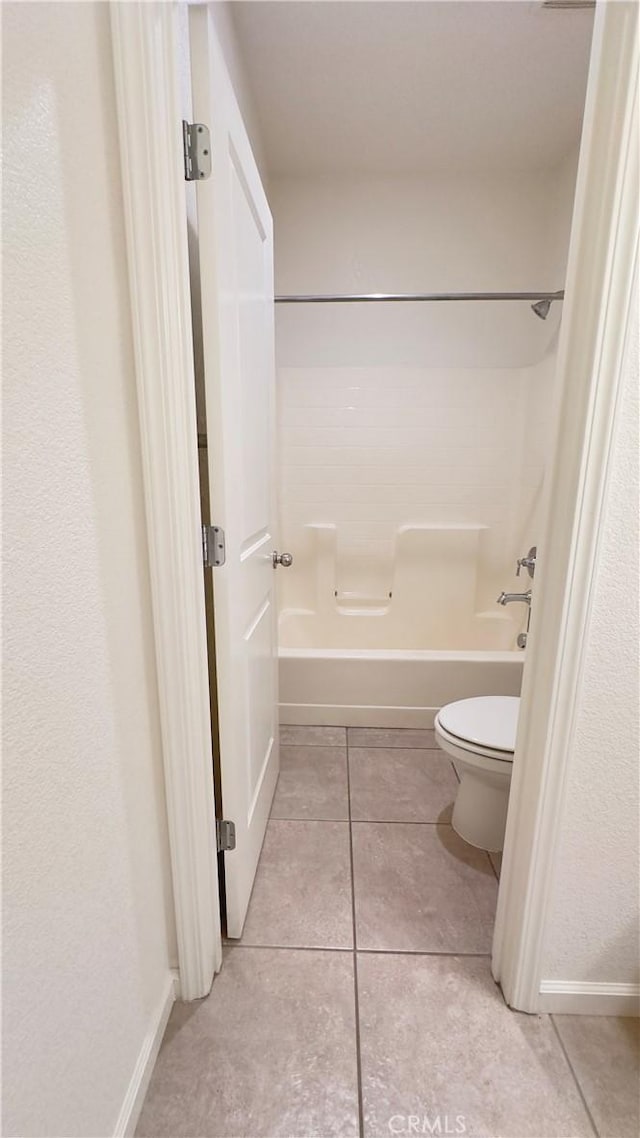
{"x":87,"y":902}
{"x":592,"y":931}
{"x":423,"y":414}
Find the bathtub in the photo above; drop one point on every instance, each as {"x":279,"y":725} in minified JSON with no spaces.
{"x":385,"y":687}
{"x":360,"y":650}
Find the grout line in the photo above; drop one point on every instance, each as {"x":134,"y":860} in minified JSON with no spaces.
{"x":418,"y":952}
{"x":380,"y":747}
{"x":316,"y":742}
{"x":355,"y":960}
{"x":360,"y":951}
{"x":289,"y":947}
{"x":575,"y":1077}
{"x":366,"y":821}
{"x":315,"y":746}
{"x":342,"y":821}
{"x":397,"y":822}
{"x":401,"y":746}
{"x":492,"y":868}
{"x":397,"y":747}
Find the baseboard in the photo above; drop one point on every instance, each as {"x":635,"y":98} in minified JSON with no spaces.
{"x":569,"y":997}
{"x":134,"y":1098}
{"x":328,"y":715}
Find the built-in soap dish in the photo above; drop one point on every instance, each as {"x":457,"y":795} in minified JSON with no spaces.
{"x":359,"y":604}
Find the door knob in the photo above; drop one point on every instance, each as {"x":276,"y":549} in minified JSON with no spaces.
{"x":284,"y":559}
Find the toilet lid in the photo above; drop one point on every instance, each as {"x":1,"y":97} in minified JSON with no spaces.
{"x":489,"y":721}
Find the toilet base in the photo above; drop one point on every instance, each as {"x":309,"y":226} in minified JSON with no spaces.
{"x":480,"y":809}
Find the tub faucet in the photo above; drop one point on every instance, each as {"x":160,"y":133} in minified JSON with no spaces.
{"x":509,"y":598}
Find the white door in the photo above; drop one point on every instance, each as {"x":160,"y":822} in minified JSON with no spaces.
{"x":236,"y":267}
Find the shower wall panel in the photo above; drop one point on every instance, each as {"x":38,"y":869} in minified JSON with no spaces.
{"x":423,"y":418}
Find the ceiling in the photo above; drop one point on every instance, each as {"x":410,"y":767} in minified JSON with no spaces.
{"x":414,"y":86}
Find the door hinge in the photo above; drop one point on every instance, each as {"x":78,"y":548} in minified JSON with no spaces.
{"x":225,"y":835}
{"x":213,"y":547}
{"x":196,"y":144}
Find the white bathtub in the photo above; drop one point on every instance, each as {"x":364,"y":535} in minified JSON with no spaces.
{"x":379,"y":687}
{"x":392,"y":650}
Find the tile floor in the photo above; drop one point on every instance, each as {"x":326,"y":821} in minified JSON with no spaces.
{"x":360,"y":999}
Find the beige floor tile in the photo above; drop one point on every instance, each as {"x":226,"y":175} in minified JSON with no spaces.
{"x":421,"y":888}
{"x":496,"y":861}
{"x":437,"y":1041}
{"x":389,"y":784}
{"x":302,"y":891}
{"x":292,"y":735}
{"x":391,"y":737}
{"x":312,"y":784}
{"x":604,"y":1052}
{"x":271,"y":1052}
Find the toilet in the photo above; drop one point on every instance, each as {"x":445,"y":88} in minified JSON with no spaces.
{"x":480,"y":736}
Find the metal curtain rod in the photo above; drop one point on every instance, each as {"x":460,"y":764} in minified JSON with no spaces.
{"x":368,"y":297}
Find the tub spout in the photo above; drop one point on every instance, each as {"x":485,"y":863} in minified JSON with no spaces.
{"x":510,"y":598}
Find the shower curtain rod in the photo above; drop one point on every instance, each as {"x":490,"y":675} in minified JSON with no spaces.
{"x":368,"y":297}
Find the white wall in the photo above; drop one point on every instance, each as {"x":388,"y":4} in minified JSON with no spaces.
{"x":396,"y":415}
{"x":402,"y":232}
{"x":88,"y":937}
{"x":592,"y":928}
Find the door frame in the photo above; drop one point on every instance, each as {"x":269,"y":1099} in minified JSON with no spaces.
{"x":599,"y":296}
{"x":599,"y":288}
{"x":145,"y":50}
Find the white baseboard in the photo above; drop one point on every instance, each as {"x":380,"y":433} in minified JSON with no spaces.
{"x":323,"y":714}
{"x":576,"y":997}
{"x":134,"y":1098}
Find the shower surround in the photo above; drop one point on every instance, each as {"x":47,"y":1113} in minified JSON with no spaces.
{"x":413,"y":437}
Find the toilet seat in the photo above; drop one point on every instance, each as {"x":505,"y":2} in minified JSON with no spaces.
{"x":486,"y":725}
{"x":462,"y":748}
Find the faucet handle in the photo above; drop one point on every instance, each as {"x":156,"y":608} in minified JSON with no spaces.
{"x":528,"y":562}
